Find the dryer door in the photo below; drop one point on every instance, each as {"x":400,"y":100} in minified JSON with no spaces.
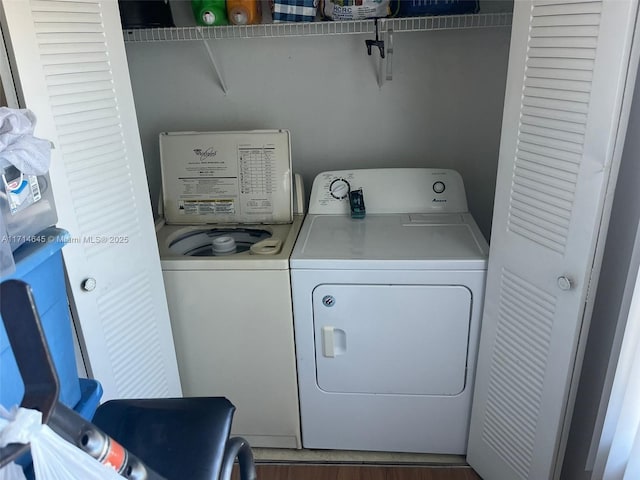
{"x":396,"y":339}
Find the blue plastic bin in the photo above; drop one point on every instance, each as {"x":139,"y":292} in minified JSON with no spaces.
{"x":39,"y":263}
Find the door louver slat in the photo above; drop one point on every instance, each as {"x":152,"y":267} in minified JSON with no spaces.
{"x":550,"y":130}
{"x":578,"y":7}
{"x":64,"y":69}
{"x":80,"y":6}
{"x":546,"y":176}
{"x":59,"y":91}
{"x":559,"y":105}
{"x":540,"y":120}
{"x":557,"y":94}
{"x":107,"y":161}
{"x":554,"y":211}
{"x":74,"y":58}
{"x":62,"y":37}
{"x":554,"y":73}
{"x":65,"y":48}
{"x":84,"y":98}
{"x":71,"y":121}
{"x":74,"y":132}
{"x":563,"y":42}
{"x":561,"y":168}
{"x":555,"y":84}
{"x":76,"y":79}
{"x":541,"y":19}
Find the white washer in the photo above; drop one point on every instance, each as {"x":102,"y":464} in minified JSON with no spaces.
{"x":387,"y":312}
{"x":225,"y":248}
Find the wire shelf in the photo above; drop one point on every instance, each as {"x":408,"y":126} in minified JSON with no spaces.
{"x":273,"y":30}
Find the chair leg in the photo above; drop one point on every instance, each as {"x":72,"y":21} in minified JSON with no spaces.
{"x":238,"y":447}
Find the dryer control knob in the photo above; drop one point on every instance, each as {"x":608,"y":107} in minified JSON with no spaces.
{"x":438,"y":187}
{"x":339,"y":188}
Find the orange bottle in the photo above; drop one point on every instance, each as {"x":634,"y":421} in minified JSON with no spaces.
{"x":243,"y":12}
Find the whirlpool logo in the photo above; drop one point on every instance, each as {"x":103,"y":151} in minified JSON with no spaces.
{"x":205,"y":154}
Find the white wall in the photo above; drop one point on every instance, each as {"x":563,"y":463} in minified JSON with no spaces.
{"x":443,"y":107}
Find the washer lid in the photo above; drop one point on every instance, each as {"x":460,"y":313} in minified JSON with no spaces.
{"x":226,"y":177}
{"x":447,"y":241}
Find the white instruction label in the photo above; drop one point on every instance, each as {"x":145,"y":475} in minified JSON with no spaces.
{"x":227,"y":177}
{"x":257,"y":178}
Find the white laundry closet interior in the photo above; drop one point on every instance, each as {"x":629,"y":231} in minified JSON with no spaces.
{"x":442,"y":109}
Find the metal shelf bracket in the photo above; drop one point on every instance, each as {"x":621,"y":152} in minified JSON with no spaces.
{"x":212,"y":58}
{"x":385,"y":62}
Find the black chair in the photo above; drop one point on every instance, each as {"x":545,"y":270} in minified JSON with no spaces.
{"x":166,"y":439}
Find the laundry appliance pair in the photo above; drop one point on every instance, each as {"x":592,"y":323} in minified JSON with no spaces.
{"x":386,"y":280}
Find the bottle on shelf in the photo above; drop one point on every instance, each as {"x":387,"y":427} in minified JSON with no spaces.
{"x":244,"y":12}
{"x":209,"y":12}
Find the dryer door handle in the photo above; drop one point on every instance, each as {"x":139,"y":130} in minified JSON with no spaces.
{"x":334,"y":341}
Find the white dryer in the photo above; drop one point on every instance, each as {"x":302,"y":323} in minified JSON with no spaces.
{"x":387,"y":311}
{"x":224,"y":250}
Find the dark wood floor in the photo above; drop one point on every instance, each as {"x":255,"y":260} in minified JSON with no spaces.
{"x":361,"y":472}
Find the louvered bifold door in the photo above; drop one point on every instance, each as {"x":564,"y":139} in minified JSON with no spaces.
{"x":567,"y":69}
{"x":70,"y":66}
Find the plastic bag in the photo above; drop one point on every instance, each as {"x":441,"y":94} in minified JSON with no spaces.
{"x":53,"y":457}
{"x":12,"y":472}
{"x":355,"y":10}
{"x":18,"y":146}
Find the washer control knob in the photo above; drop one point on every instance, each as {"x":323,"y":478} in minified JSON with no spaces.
{"x":88,"y":284}
{"x":565,"y":283}
{"x":339,"y":188}
{"x":439,"y":187}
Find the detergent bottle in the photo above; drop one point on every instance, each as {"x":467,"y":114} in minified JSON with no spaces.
{"x":209,"y":12}
{"x":243,"y":12}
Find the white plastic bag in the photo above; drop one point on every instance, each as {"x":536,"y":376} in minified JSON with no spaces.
{"x":53,"y":457}
{"x":12,"y":472}
{"x":355,"y":10}
{"x":18,"y":146}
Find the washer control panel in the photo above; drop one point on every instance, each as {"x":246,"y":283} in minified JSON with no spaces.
{"x":390,"y":190}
